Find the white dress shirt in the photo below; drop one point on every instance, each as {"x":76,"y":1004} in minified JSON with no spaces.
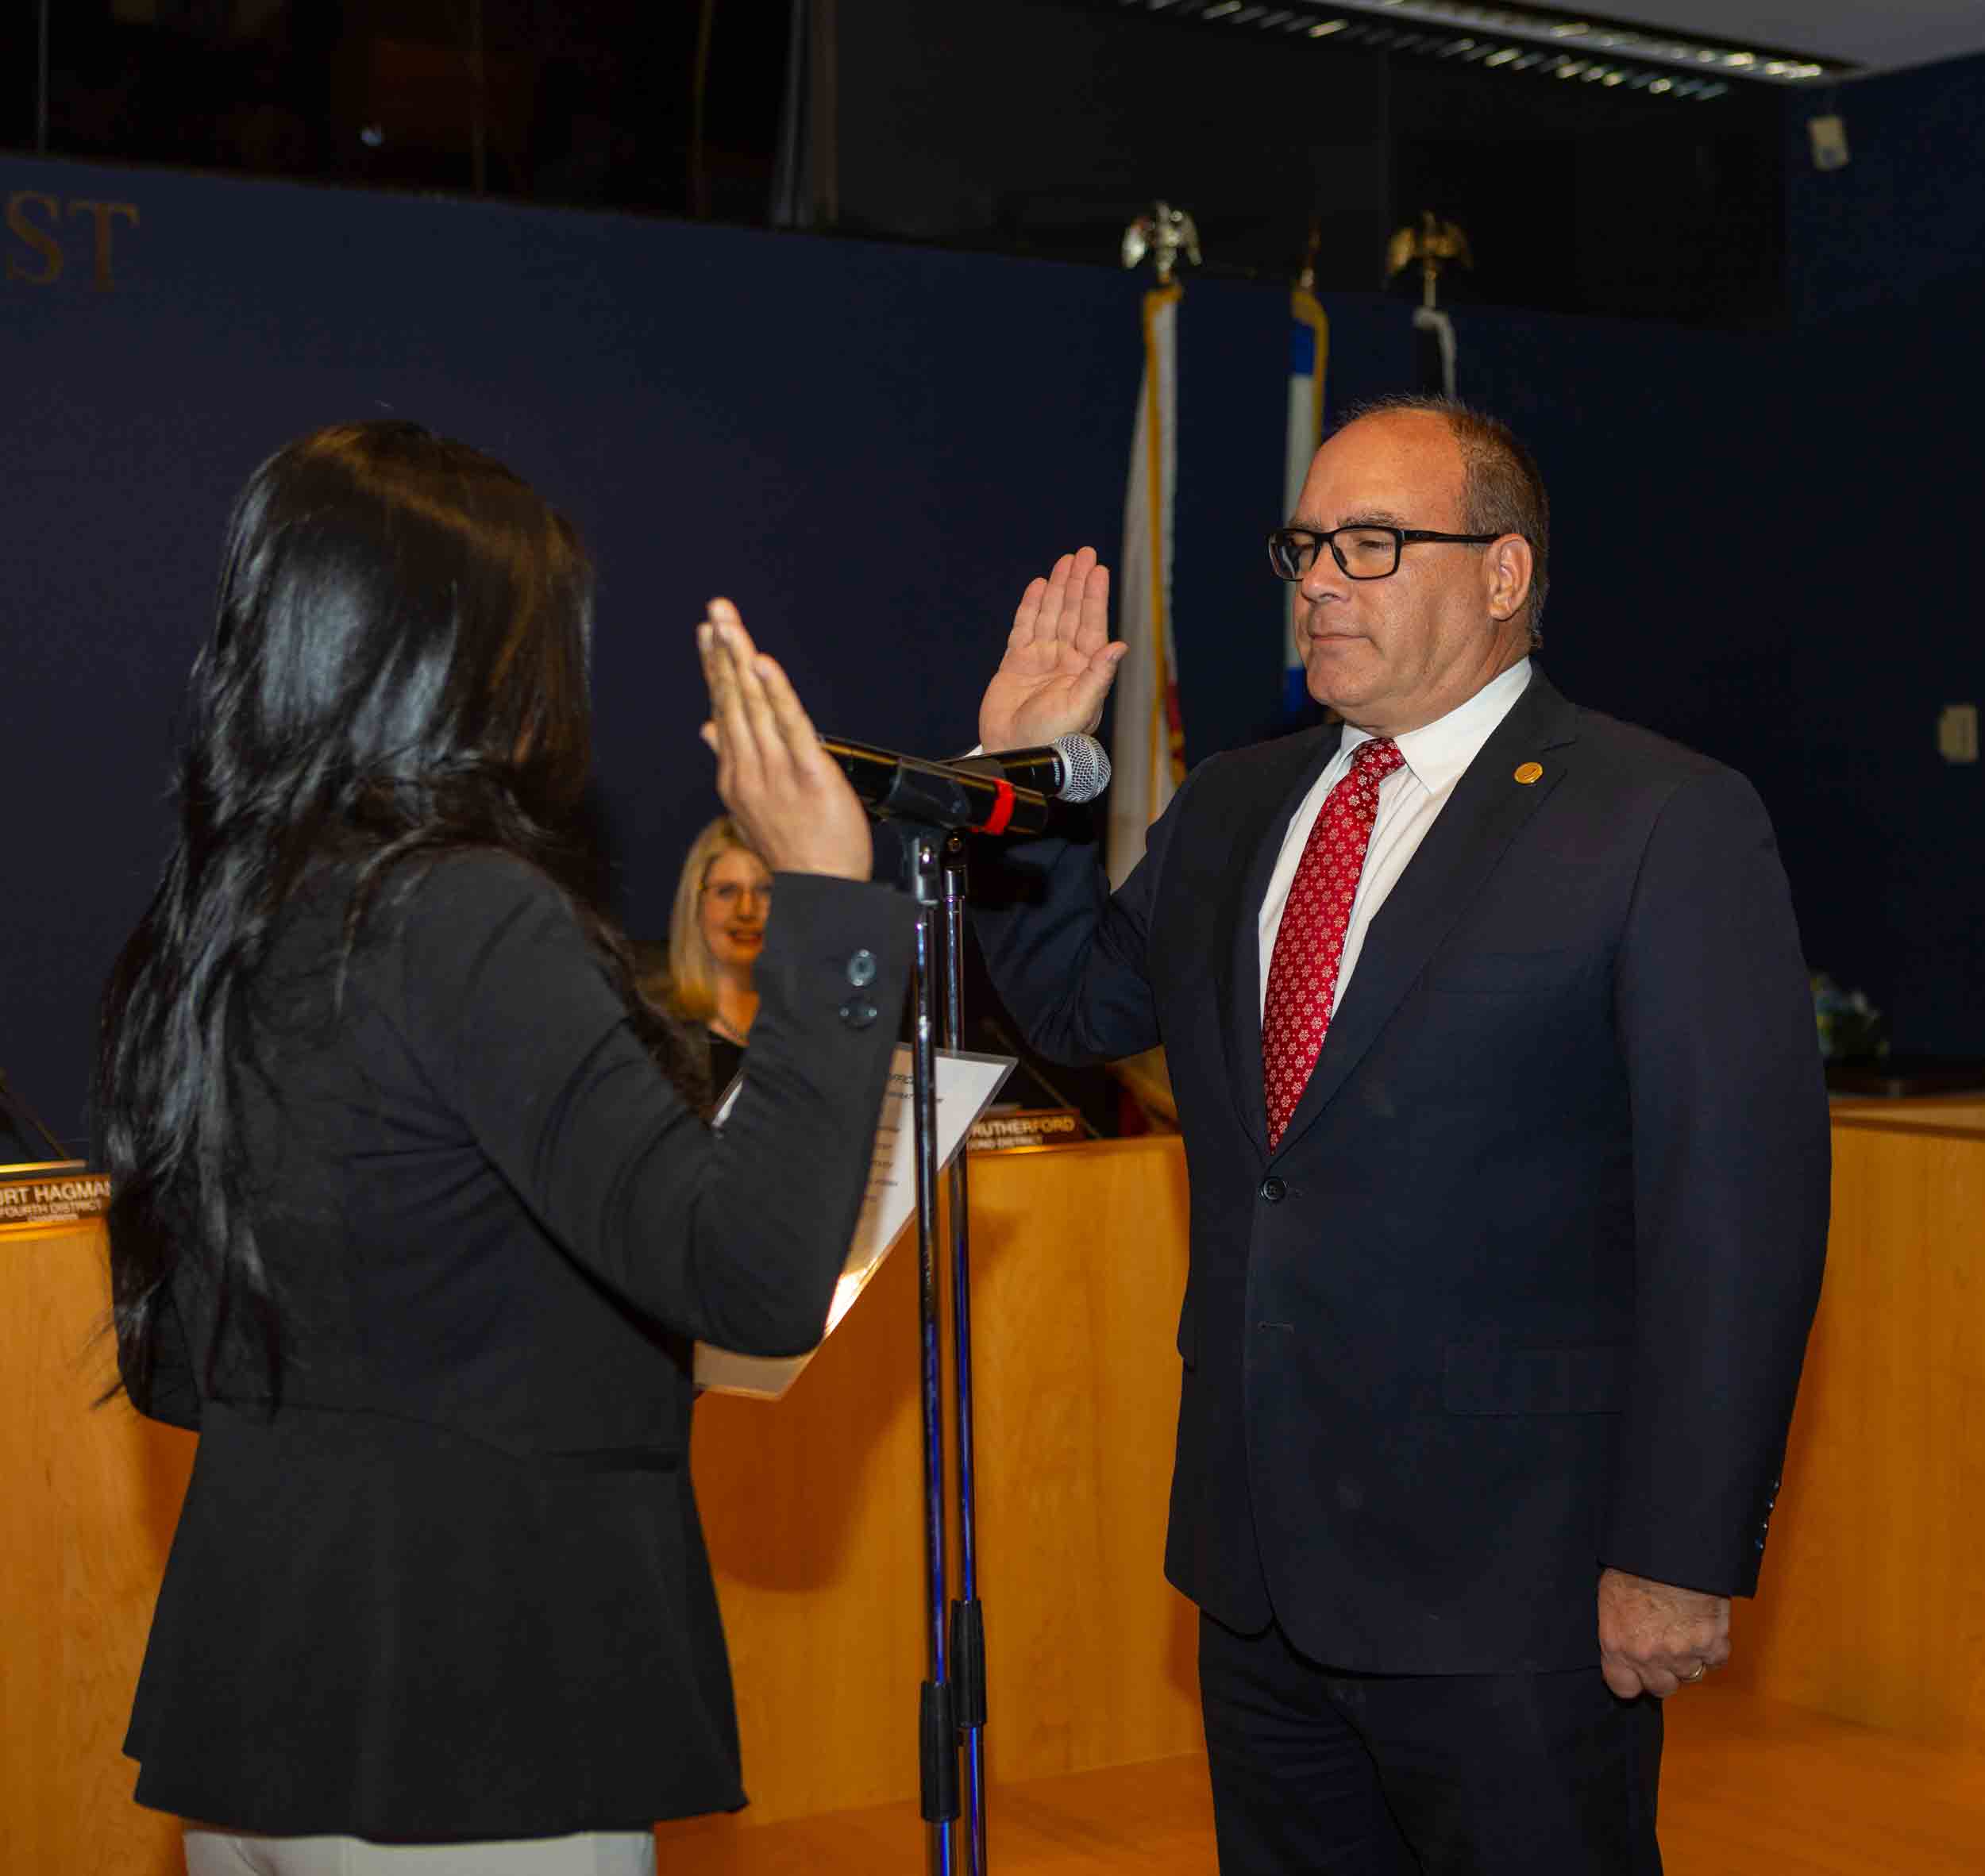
{"x":1409,"y":801}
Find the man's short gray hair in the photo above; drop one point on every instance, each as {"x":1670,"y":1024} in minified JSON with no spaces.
{"x":1502,"y":492}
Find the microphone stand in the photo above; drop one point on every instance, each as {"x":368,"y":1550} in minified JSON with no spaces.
{"x":951,"y":1706}
{"x":967,"y":1620}
{"x":930,"y":803}
{"x":937,"y":1711}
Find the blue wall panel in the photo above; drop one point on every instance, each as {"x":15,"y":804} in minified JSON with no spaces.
{"x":871,"y":449}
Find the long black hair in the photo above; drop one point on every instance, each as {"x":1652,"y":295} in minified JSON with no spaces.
{"x":397,"y":670}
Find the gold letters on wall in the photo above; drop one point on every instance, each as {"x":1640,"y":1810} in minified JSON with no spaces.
{"x":38,"y":240}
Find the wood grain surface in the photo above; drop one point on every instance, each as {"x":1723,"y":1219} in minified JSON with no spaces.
{"x":1749,"y":1787}
{"x":88,"y":1496}
{"x":1872,"y":1603}
{"x":813,"y":1505}
{"x":1866,"y":1647}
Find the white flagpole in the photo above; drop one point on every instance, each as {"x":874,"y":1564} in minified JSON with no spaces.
{"x":1147,"y":751}
{"x":1309,"y":356}
{"x":1432,"y":319}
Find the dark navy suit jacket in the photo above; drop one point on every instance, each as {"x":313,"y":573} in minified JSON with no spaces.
{"x":1524,"y":1291}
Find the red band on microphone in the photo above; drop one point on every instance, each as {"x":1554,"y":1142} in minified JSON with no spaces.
{"x":1003,"y":810}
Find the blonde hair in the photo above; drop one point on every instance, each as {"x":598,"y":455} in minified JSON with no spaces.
{"x":691,"y":989}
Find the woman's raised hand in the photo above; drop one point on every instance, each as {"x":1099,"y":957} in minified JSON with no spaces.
{"x":783,"y":790}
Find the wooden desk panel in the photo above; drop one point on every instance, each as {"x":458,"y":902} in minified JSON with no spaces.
{"x":1960,"y":1113}
{"x":812,"y":1505}
{"x":1872,"y":1606}
{"x":88,"y":1497}
{"x":1870,"y":1610}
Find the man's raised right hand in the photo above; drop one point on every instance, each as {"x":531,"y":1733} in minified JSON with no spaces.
{"x":1059,"y":662}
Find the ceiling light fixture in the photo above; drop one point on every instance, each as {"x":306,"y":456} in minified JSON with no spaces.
{"x":1629,"y":46}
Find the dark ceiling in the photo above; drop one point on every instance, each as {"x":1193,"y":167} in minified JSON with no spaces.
{"x":592,"y":101}
{"x":1575,"y":196}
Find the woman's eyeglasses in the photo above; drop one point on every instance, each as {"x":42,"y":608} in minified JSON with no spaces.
{"x":730,"y":893}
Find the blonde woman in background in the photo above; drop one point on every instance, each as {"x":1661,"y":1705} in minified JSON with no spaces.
{"x":716,"y":930}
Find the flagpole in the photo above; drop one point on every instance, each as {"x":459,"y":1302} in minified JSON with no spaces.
{"x":1161,"y":305}
{"x":1432,"y":243}
{"x":1148,"y":748}
{"x":1309,"y":359}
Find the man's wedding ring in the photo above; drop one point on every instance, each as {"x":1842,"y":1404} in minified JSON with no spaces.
{"x":1702,"y":1668}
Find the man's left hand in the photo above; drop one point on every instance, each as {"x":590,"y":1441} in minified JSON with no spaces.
{"x":1654,"y":1637}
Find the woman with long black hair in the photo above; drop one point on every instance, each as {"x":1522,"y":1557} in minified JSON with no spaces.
{"x":412,"y":1221}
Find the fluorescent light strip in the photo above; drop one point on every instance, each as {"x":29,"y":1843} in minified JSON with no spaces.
{"x":1629,"y":45}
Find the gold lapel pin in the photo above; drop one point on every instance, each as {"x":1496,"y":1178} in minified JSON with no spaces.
{"x":1529,"y":772}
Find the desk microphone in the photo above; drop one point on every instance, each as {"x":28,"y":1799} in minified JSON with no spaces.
{"x":942,"y":794}
{"x":1072,"y":767}
{"x":1006,"y":793}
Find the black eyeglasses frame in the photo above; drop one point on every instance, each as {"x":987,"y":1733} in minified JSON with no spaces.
{"x":1402,"y":539}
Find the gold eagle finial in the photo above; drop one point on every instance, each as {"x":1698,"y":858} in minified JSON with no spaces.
{"x":1165,"y":233}
{"x":1433,"y":244}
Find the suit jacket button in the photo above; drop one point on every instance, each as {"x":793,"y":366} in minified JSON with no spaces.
{"x":1273,"y":1189}
{"x":862,"y":969}
{"x":858,"y":1012}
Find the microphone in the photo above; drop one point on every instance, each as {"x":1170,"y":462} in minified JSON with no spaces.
{"x":1072,"y":767}
{"x":946,"y":795}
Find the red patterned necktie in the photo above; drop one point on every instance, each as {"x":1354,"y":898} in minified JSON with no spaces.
{"x":1309,"y":944}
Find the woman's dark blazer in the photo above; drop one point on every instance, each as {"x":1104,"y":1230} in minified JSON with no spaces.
{"x":453,"y":1585}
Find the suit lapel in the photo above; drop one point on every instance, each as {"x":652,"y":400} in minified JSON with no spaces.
{"x":1486,"y":811}
{"x":1282,"y":783}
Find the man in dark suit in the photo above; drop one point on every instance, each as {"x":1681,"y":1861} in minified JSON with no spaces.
{"x":1495,"y":1064}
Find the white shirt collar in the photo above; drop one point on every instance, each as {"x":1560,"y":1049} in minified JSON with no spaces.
{"x":1438,"y":752}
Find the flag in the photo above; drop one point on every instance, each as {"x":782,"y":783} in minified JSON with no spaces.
{"x":1147,"y":753}
{"x":1309,"y":354}
{"x":1434,"y":342}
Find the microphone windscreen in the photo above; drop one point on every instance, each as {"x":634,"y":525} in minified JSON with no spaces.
{"x":1087,"y":768}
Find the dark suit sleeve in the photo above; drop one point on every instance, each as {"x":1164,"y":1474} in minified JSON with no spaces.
{"x":1069,"y":960}
{"x":735,"y":1237}
{"x":1730,"y":1154}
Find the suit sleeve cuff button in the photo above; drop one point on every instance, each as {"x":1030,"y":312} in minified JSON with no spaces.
{"x":858,"y":1012}
{"x":862,"y":969}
